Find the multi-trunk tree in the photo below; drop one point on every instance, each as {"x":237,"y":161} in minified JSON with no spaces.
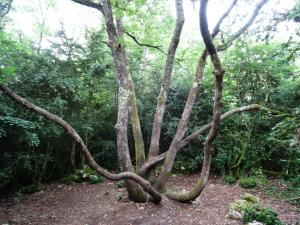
{"x":136,"y":176}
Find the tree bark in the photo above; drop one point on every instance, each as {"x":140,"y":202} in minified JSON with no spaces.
{"x":185,"y":117}
{"x":165,"y":86}
{"x":208,"y":149}
{"x":189,"y":139}
{"x":135,"y":192}
{"x":140,"y":157}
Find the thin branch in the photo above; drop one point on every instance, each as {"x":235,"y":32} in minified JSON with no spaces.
{"x":216,"y":29}
{"x":158,"y":47}
{"x":199,"y":132}
{"x":229,"y":42}
{"x":90,"y":4}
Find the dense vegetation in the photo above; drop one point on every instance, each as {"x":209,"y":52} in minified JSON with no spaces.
{"x":77,"y":82}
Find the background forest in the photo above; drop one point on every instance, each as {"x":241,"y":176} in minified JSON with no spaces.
{"x":76,"y":80}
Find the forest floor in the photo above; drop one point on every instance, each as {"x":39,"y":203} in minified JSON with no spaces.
{"x":99,"y":204}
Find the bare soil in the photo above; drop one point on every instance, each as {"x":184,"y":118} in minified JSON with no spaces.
{"x":100,"y":204}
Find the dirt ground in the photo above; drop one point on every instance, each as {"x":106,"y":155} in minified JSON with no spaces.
{"x":86,"y":204}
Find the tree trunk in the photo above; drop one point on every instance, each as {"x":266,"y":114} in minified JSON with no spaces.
{"x":175,"y":145}
{"x":136,"y":128}
{"x":165,"y":86}
{"x":135,"y":192}
{"x":208,"y":149}
{"x":189,"y":139}
{"x":183,"y":123}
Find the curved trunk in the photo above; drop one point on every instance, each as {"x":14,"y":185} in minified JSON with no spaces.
{"x":75,"y":136}
{"x":197,"y":189}
{"x":208,"y":149}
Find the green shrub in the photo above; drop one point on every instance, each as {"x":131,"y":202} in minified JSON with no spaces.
{"x":239,"y":205}
{"x":95,"y":179}
{"x":248,"y":182}
{"x":250,"y":198}
{"x":261,"y":214}
{"x":229,"y":179}
{"x":120,"y":184}
{"x":84,"y":175}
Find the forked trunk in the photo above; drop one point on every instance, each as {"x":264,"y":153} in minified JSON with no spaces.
{"x":135,"y":192}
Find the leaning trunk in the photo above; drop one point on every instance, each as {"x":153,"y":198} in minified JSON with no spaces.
{"x":208,"y":148}
{"x":136,"y":128}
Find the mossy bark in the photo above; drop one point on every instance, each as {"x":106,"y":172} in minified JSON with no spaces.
{"x":219,"y":72}
{"x":115,"y":34}
{"x":136,"y":128}
{"x":197,"y":189}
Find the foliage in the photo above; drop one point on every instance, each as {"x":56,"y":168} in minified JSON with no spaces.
{"x":121,"y":184}
{"x":250,"y":198}
{"x":288,"y":190}
{"x":248,"y":182}
{"x":84,"y":175}
{"x":252,"y":210}
{"x":239,"y":205}
{"x":229,"y":179}
{"x":261,"y":214}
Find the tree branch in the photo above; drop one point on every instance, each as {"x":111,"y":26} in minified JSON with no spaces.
{"x":255,"y":13}
{"x":152,"y":162}
{"x":158,"y":47}
{"x":165,"y":86}
{"x":5,"y":8}
{"x":75,"y":136}
{"x":216,"y":29}
{"x":90,"y":4}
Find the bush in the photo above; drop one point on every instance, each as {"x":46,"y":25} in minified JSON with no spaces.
{"x":229,"y":179}
{"x":84,"y":175}
{"x":239,"y":205}
{"x":250,"y":198}
{"x":261,"y":214}
{"x":248,"y":182}
{"x":121,"y":184}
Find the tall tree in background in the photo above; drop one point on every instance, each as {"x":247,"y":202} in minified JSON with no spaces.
{"x":5,"y":6}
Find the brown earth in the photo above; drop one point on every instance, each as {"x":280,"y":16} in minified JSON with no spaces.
{"x":86,"y":204}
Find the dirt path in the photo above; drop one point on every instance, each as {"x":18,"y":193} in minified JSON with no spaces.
{"x":84,"y":204}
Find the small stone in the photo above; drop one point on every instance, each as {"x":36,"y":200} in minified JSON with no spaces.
{"x":119,"y":196}
{"x":235,"y":215}
{"x":255,"y":223}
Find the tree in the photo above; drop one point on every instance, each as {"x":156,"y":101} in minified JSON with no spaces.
{"x":135,"y":180}
{"x":5,"y":6}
